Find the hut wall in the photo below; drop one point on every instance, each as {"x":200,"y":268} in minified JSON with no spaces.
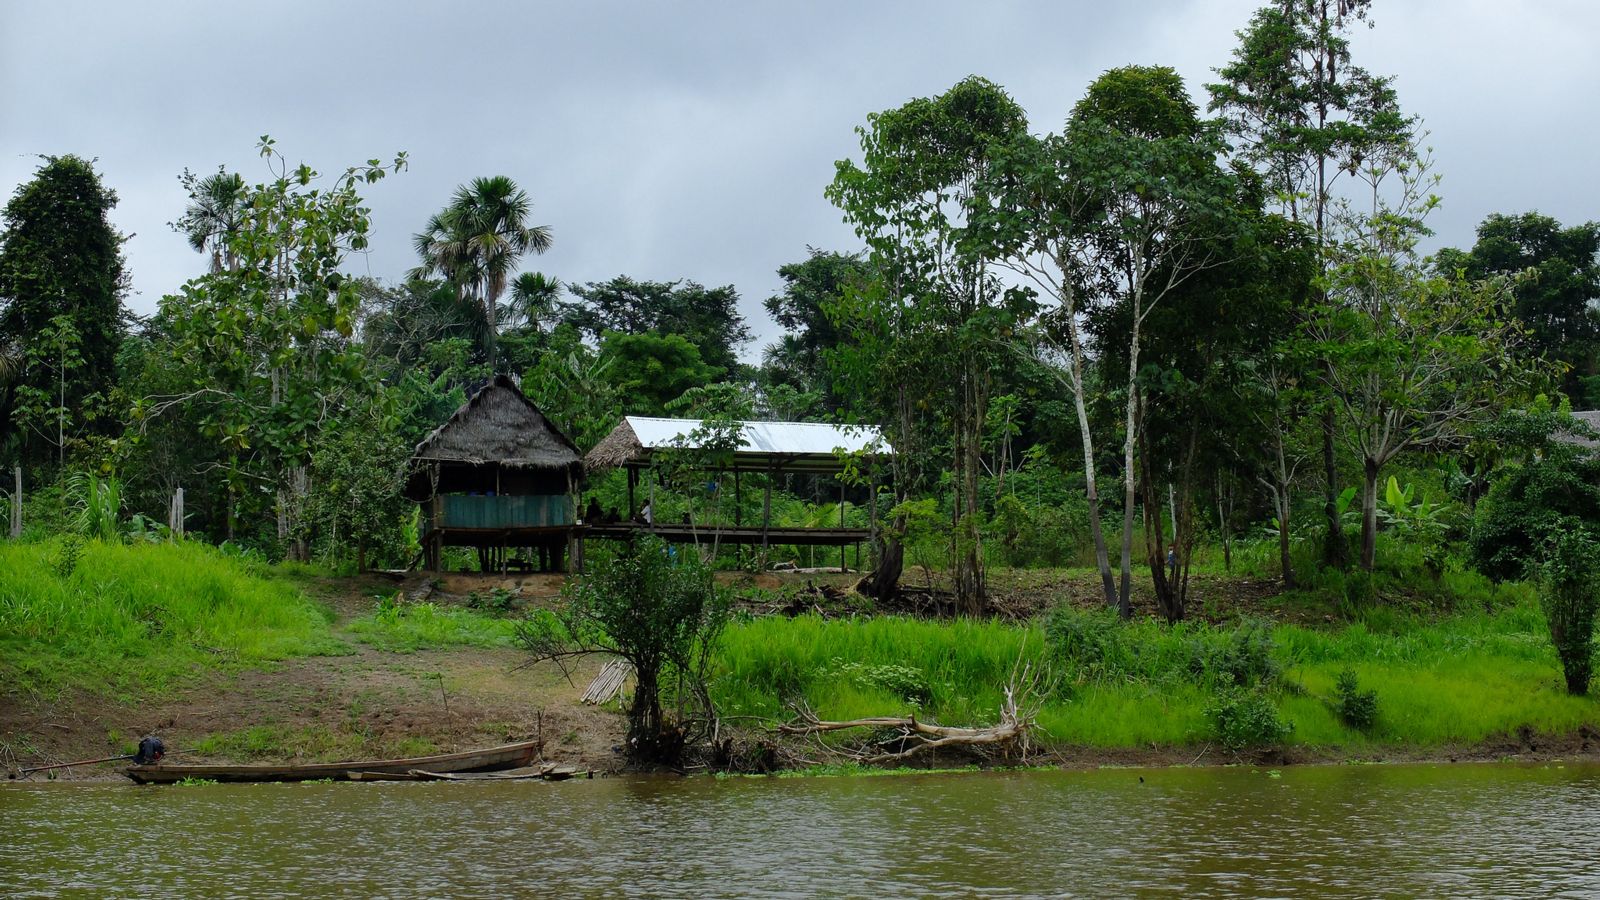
{"x":475,"y":511}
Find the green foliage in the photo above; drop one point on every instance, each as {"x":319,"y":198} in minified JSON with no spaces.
{"x":99,"y":502}
{"x":707,"y":319}
{"x":408,"y":627}
{"x":1567,"y":593}
{"x":1096,"y":644}
{"x":651,"y":370}
{"x":356,"y":501}
{"x":61,"y":315}
{"x":905,"y":682}
{"x":661,"y":611}
{"x":266,"y":346}
{"x":104,"y":616}
{"x":1243,"y":718}
{"x":1354,"y":706}
{"x":496,"y":600}
{"x":1560,"y":269}
{"x":475,"y":243}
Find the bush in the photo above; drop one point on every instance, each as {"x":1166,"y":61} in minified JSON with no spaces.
{"x":663,"y":612}
{"x":1247,"y":718}
{"x":1240,"y":656}
{"x":905,"y":682}
{"x":1097,"y":643}
{"x":1355,"y":707}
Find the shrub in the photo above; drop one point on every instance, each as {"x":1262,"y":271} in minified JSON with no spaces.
{"x":906,"y":682}
{"x":1247,"y":718}
{"x":660,"y":610}
{"x":1089,"y":641}
{"x":1242,"y":655}
{"x":1354,"y":706}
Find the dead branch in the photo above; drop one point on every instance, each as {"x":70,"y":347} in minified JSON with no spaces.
{"x":1011,"y":733}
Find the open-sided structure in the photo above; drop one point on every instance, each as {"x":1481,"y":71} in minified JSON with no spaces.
{"x":497,"y":475}
{"x":770,"y":448}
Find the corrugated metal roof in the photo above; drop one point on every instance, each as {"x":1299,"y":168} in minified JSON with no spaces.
{"x":799,"y":438}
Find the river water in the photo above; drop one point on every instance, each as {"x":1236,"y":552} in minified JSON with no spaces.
{"x":1314,"y":831}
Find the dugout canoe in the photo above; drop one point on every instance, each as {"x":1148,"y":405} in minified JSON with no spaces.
{"x":493,"y":759}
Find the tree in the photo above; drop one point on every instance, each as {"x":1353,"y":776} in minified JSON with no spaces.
{"x":706,"y":317}
{"x":1155,"y":208}
{"x":476,"y":241}
{"x":661,"y":611}
{"x":61,"y":271}
{"x":1304,"y":115}
{"x":572,"y":385}
{"x":267,"y":347}
{"x":1416,"y":361}
{"x":809,"y":287}
{"x":650,"y":370}
{"x":922,"y":180}
{"x":1554,"y":300}
{"x":534,"y":299}
{"x":214,"y":214}
{"x":1540,"y":521}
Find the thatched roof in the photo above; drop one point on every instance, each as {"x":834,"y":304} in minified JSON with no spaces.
{"x":794,"y":446}
{"x":499,"y":425}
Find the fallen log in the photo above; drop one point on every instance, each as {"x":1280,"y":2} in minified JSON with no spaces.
{"x":1010,"y":733}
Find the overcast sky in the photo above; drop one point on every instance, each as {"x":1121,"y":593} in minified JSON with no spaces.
{"x":693,"y":140}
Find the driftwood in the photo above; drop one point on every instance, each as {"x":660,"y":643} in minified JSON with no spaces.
{"x":608,"y":684}
{"x":915,"y":736}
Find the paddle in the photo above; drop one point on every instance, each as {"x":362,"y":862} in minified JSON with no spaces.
{"x":151,"y":750}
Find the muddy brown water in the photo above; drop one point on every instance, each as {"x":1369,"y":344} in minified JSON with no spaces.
{"x":1314,"y":831}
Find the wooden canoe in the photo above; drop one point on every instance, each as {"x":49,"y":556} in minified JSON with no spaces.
{"x":493,"y":759}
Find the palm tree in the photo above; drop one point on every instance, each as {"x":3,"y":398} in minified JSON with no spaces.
{"x":534,"y":296}
{"x":475,"y":242}
{"x":215,"y":211}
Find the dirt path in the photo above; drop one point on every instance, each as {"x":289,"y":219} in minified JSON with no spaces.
{"x":368,"y":703}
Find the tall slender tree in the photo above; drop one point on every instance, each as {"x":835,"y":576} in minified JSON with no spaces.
{"x":1303,"y":115}
{"x":476,"y":242}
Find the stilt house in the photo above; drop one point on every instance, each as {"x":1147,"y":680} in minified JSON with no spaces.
{"x":497,"y":476}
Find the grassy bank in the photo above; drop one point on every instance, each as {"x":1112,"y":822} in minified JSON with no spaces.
{"x":1457,"y":680}
{"x":111,"y":617}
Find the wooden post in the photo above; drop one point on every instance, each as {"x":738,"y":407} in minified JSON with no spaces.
{"x":842,"y":546}
{"x":175,"y":514}
{"x":16,"y":504}
{"x":766,"y":515}
{"x":633,"y":478}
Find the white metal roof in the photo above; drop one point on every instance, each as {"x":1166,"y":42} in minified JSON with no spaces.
{"x":785,"y":438}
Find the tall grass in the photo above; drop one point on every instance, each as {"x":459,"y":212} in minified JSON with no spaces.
{"x":1456,"y":680}
{"x":105,"y":616}
{"x":410,"y":627}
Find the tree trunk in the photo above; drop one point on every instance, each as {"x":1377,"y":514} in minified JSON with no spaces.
{"x":1129,"y":485}
{"x":1335,"y":550}
{"x":1369,"y":514}
{"x":644,"y":717}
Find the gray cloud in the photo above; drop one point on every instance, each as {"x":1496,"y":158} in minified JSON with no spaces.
{"x":668,"y":140}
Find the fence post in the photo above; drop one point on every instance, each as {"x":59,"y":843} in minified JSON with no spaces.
{"x":175,"y":514}
{"x":16,"y":504}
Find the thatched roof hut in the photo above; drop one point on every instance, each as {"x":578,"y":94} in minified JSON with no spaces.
{"x":497,"y":436}
{"x":764,"y":446}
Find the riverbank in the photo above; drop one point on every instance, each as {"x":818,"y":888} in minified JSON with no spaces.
{"x":239,"y":662}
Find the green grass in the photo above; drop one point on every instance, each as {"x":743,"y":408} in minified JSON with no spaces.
{"x":1461,"y":679}
{"x":108,"y":617}
{"x":311,"y":742}
{"x":410,"y":627}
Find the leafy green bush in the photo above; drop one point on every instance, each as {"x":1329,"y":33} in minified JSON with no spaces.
{"x":1355,"y":707}
{"x":906,"y":682}
{"x":1247,"y":718}
{"x":1096,"y":643}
